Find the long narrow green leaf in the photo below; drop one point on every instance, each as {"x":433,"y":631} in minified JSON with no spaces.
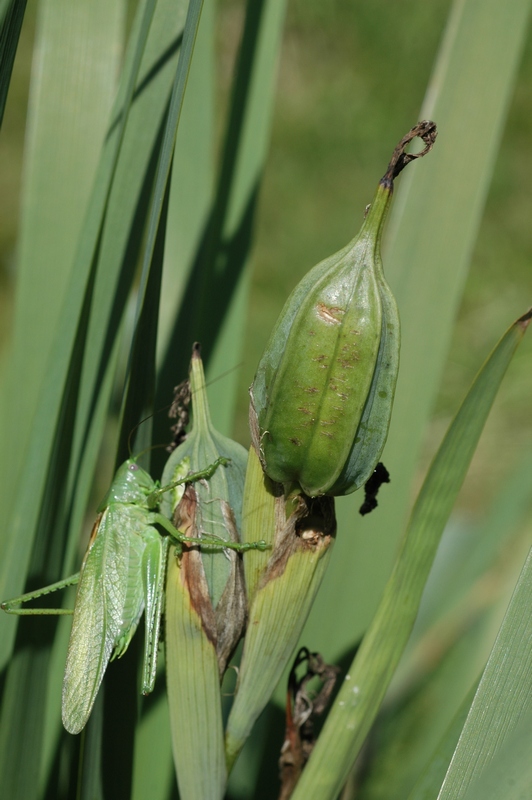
{"x":469,"y":557}
{"x":51,"y":399}
{"x":154,"y":773}
{"x":78,"y":50}
{"x":460,"y":611}
{"x":10,"y":27}
{"x":411,"y":727}
{"x":213,"y":304}
{"x":503,"y":699}
{"x":429,"y":783}
{"x":46,"y":458}
{"x":139,"y":387}
{"x":123,"y":227}
{"x":192,"y":179}
{"x":76,"y":62}
{"x":4,"y":8}
{"x":433,"y":226}
{"x":190,"y":194}
{"x":509,"y":774}
{"x":120,"y":142}
{"x":138,"y":393}
{"x":364,"y":686}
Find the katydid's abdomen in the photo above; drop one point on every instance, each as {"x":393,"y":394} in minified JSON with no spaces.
{"x":109,"y":604}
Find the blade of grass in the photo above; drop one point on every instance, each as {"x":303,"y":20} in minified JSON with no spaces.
{"x":471,"y":556}
{"x":138,"y":391}
{"x":139,"y":388}
{"x":153,"y":766}
{"x":509,"y":774}
{"x":502,"y":701}
{"x":196,"y":713}
{"x":11,"y":19}
{"x":123,"y":227}
{"x":430,"y":781}
{"x":49,"y":398}
{"x":102,"y":201}
{"x":364,"y":686}
{"x":190,"y":193}
{"x":476,"y":567}
{"x":192,"y":178}
{"x":78,"y":51}
{"x":45,"y":464}
{"x":213,"y":308}
{"x":462,"y":607}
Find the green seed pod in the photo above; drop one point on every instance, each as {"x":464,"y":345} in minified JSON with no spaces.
{"x":210,"y":508}
{"x":322,"y":397}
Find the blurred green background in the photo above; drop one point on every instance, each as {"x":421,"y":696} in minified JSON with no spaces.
{"x":351,"y":81}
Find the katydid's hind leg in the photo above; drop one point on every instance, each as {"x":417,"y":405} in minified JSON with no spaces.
{"x":153,"y":576}
{"x":7,"y":606}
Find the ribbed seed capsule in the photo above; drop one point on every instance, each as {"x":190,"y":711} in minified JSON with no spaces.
{"x":322,"y":397}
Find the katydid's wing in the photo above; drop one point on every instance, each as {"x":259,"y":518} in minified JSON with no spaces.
{"x":109,"y":603}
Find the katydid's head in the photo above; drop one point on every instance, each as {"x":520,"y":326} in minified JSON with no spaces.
{"x":131,"y":484}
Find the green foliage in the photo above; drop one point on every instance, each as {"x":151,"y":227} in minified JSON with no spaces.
{"x":120,"y":197}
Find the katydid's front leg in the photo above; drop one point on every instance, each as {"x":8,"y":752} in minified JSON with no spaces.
{"x":206,"y":541}
{"x":193,"y":477}
{"x":7,"y":606}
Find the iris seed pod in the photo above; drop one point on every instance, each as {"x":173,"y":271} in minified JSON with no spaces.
{"x":322,"y":397}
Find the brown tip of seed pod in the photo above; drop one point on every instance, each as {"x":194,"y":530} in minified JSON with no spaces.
{"x":425,"y":130}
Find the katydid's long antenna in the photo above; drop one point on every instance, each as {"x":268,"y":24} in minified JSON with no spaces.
{"x":177,"y":404}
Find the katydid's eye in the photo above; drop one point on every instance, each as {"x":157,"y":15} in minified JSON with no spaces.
{"x":133,"y":467}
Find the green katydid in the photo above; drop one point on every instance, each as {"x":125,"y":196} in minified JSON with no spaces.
{"x":122,"y":575}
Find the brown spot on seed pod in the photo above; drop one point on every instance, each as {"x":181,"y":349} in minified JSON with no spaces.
{"x":327,"y":434}
{"x":330,"y":314}
{"x":295,"y":440}
{"x":311,"y":390}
